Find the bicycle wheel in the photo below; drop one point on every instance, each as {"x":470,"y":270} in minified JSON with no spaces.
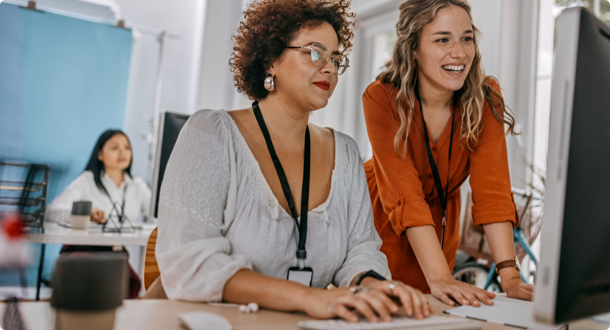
{"x":476,"y":274}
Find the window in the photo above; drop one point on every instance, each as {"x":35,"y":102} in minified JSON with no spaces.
{"x":601,"y":8}
{"x":604,"y":7}
{"x":545,"y":53}
{"x":383,"y":45}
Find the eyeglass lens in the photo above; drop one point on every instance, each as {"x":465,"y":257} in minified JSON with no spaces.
{"x":320,"y":57}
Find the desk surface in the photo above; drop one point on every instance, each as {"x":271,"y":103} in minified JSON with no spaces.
{"x":163,"y":314}
{"x":56,"y":234}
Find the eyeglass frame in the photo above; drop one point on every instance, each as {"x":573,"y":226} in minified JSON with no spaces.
{"x":328,"y":55}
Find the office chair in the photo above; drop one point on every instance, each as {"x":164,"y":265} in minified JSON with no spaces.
{"x":152,"y":275}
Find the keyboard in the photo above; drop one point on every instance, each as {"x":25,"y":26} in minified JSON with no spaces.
{"x":434,"y":322}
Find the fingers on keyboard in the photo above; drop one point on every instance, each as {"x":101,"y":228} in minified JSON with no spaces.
{"x":418,"y":304}
{"x":341,"y":311}
{"x":407,"y":303}
{"x":472,"y":300}
{"x":363,"y":307}
{"x":375,"y":300}
{"x":388,"y":303}
{"x":446,"y":299}
{"x":459,"y":298}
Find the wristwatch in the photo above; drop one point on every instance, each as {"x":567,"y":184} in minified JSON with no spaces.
{"x":370,"y":273}
{"x":514,"y":262}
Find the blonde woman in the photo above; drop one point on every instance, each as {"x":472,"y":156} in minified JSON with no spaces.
{"x":433,"y":119}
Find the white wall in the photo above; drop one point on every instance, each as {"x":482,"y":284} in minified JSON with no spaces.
{"x":216,"y":89}
{"x":180,"y":81}
{"x":508,"y":47}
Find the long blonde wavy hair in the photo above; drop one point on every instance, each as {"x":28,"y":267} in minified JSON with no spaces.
{"x":401,"y":71}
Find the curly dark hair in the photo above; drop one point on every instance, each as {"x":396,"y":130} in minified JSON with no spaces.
{"x":269,"y":25}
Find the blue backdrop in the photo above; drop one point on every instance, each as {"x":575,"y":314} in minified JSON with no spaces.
{"x":63,"y":81}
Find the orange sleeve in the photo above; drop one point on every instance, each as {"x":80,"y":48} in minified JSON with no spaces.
{"x":489,"y":175}
{"x":400,"y":189}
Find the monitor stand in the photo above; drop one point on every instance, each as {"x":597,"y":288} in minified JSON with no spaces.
{"x":601,"y":318}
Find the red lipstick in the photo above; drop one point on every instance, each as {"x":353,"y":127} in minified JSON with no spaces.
{"x":325,"y":85}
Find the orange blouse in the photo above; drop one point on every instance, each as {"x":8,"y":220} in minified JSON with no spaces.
{"x":403,"y":192}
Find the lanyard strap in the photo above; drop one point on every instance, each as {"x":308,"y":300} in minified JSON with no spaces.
{"x":302,"y":226}
{"x":437,"y":177}
{"x":114,"y":204}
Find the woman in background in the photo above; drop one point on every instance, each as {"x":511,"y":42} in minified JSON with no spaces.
{"x":107,"y":183}
{"x":433,"y":119}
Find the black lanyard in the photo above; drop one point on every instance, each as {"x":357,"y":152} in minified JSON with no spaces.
{"x":114,"y":204}
{"x":437,"y":177}
{"x":302,"y":226}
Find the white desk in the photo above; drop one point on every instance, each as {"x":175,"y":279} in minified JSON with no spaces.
{"x":56,"y":234}
{"x":163,"y":315}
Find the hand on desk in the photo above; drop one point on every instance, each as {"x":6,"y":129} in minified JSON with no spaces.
{"x":373,"y":300}
{"x":413,"y":300}
{"x":97,"y":215}
{"x":465,"y":294}
{"x":516,"y":289}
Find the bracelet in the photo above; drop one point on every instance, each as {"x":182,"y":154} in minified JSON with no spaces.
{"x":370,"y":273}
{"x":513,"y":263}
{"x":359,"y":288}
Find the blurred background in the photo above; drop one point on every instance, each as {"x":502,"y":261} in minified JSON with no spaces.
{"x":70,"y":69}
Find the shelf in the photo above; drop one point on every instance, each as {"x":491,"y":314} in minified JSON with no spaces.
{"x":18,"y":185}
{"x":16,"y":201}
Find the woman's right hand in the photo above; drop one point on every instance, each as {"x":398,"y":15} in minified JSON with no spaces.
{"x":450,"y":290}
{"x":97,"y":215}
{"x":371,"y":303}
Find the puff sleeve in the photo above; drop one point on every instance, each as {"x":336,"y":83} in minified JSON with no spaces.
{"x":363,"y":242}
{"x":489,"y":175}
{"x":401,"y":190}
{"x":193,"y":254}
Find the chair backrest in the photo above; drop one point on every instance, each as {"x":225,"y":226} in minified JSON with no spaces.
{"x":151,"y":269}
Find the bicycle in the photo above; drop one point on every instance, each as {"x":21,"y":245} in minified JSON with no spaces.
{"x":468,"y":270}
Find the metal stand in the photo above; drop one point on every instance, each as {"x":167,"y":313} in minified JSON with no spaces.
{"x":118,"y":226}
{"x":31,"y":202}
{"x":40,"y":266}
{"x":32,"y":199}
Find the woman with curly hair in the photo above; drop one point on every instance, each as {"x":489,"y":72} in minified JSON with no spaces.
{"x":433,"y":119}
{"x":259,"y":205}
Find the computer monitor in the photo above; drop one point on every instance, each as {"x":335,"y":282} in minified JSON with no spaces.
{"x":574,"y":273}
{"x":170,"y":125}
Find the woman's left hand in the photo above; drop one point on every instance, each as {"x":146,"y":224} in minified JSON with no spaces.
{"x":516,"y":289}
{"x":413,"y":300}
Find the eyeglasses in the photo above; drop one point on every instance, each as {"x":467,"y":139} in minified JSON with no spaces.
{"x":320,"y":56}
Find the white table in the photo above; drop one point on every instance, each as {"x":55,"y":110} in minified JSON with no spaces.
{"x":56,"y":234}
{"x":163,"y":315}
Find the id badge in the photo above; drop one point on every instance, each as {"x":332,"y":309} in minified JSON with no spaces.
{"x":303,"y":276}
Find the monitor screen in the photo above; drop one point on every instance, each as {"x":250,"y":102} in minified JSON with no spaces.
{"x":170,"y":125}
{"x":574,"y":274}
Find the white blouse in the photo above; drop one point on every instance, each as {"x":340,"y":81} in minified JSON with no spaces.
{"x":217,"y":215}
{"x":137,"y":197}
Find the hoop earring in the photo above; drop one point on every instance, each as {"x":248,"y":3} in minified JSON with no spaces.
{"x":269,"y":83}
